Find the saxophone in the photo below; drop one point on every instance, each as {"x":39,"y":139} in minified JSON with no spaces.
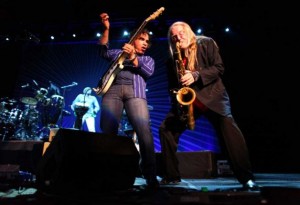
{"x":185,"y":95}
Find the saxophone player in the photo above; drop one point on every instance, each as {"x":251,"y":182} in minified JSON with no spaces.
{"x":203,"y":74}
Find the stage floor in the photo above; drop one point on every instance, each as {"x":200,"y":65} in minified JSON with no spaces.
{"x":276,"y":188}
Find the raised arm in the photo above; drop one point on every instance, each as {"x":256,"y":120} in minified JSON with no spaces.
{"x":105,"y":35}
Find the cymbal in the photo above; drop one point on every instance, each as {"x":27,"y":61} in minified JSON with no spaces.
{"x":29,"y":100}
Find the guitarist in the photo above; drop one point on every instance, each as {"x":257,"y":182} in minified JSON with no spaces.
{"x":128,"y":91}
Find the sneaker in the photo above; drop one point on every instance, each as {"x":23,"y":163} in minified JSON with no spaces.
{"x":165,"y":181}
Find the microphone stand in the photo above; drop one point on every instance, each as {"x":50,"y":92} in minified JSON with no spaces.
{"x":68,"y":86}
{"x":64,"y":92}
{"x":62,"y":113}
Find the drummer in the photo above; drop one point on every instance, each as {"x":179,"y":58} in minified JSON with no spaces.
{"x":90,"y":104}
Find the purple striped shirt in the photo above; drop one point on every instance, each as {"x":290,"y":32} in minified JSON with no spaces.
{"x":140,"y":74}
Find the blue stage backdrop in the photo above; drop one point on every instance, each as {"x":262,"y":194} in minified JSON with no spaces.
{"x":60,"y":64}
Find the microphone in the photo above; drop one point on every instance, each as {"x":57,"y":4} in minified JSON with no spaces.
{"x":68,"y":86}
{"x":25,"y":86}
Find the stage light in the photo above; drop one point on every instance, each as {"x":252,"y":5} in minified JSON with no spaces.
{"x":125,"y":33}
{"x":199,"y":31}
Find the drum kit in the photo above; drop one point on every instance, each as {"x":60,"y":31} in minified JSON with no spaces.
{"x":24,"y":119}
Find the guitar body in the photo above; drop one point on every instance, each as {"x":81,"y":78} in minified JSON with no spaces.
{"x":106,"y":81}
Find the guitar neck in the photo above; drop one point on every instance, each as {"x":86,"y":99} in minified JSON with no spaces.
{"x":107,"y":79}
{"x":120,"y":59}
{"x":138,"y":31}
{"x":122,"y":56}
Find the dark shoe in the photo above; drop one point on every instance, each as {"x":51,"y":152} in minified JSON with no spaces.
{"x":165,"y":181}
{"x":251,"y":186}
{"x":152,"y":184}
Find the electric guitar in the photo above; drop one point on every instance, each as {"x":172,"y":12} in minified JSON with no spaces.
{"x":107,"y":79}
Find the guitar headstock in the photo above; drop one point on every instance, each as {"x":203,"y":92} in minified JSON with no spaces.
{"x":155,"y":14}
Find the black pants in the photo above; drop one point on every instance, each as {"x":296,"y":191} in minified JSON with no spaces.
{"x":228,"y":133}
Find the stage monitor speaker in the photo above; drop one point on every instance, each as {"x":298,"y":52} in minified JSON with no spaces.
{"x":198,"y":165}
{"x":78,"y":161}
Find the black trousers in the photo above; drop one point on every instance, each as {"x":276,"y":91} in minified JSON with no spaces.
{"x":228,"y":132}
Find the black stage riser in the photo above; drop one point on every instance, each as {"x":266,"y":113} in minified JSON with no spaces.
{"x":25,"y":154}
{"x":81,"y":159}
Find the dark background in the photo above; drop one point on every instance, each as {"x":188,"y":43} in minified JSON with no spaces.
{"x":260,"y":56}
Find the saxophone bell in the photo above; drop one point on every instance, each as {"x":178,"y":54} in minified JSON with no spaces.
{"x":186,"y":96}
